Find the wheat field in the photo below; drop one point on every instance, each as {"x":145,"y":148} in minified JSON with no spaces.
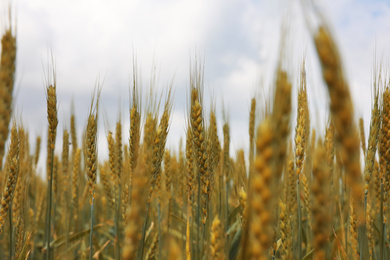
{"x":295,"y":194}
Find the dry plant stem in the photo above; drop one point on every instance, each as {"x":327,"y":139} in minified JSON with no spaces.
{"x":50,"y":198}
{"x":383,"y":240}
{"x":382,"y":226}
{"x":198,"y":220}
{"x":299,"y":223}
{"x":362,"y":237}
{"x":188,"y":233}
{"x":159,"y":229}
{"x":118,"y":166}
{"x":11,"y":240}
{"x":117,"y":216}
{"x":91,"y":232}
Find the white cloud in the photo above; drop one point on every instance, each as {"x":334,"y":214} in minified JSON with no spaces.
{"x":239,"y":40}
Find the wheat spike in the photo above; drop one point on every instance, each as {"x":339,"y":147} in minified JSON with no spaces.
{"x":342,"y":111}
{"x":281,"y":117}
{"x":261,"y":195}
{"x":216,"y":240}
{"x":372,"y":142}
{"x":37,"y":150}
{"x":12,"y":178}
{"x":7,"y":74}
{"x":320,"y":206}
{"x":362,"y":135}
{"x":353,"y":231}
{"x":75,"y":185}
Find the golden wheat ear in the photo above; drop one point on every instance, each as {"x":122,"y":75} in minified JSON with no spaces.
{"x":52,"y":118}
{"x":260,"y":229}
{"x":91,"y":160}
{"x":341,"y":107}
{"x":7,"y":74}
{"x":217,"y":240}
{"x":12,"y":178}
{"x":320,"y":207}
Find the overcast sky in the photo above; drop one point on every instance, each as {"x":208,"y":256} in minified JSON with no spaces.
{"x":238,"y":39}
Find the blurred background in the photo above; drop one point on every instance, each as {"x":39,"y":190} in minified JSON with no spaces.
{"x":238,"y":40}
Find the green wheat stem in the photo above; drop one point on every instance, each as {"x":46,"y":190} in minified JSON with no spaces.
{"x":91,"y":232}
{"x":142,"y":242}
{"x":50,"y":198}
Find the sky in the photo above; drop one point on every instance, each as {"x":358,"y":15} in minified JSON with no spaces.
{"x":238,"y":41}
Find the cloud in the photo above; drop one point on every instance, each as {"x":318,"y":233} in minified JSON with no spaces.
{"x":239,"y":40}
